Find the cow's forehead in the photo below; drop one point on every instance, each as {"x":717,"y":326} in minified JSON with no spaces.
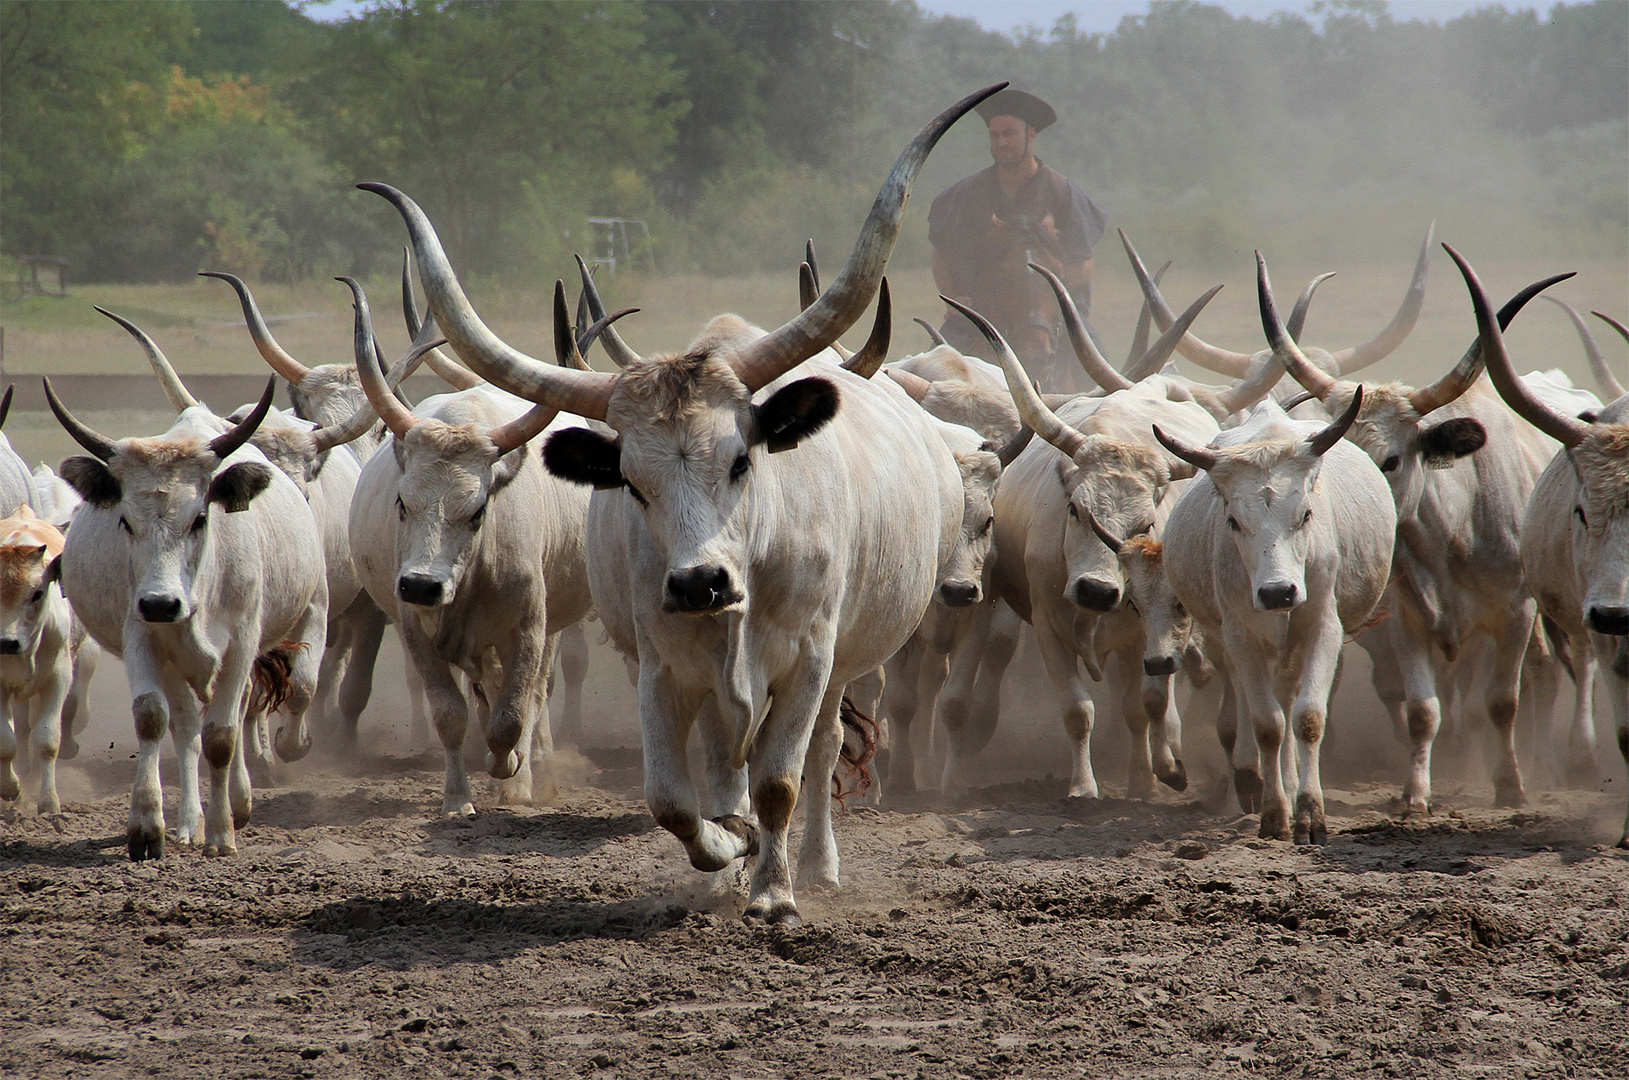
{"x":674,"y":390}
{"x":163,"y":467}
{"x":1268,"y":469}
{"x":1602,"y":458}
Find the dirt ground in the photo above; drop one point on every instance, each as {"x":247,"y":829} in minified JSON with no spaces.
{"x":1011,"y":933}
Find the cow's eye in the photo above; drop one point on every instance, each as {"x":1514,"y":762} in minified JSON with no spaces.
{"x":1579,"y":510}
{"x":125,"y":524}
{"x":476,"y":518}
{"x":1144,"y":531}
{"x":739,"y":467}
{"x":1232,"y":523}
{"x":1306,"y":517}
{"x":1074,"y":511}
{"x":200,"y":521}
{"x":1181,"y":612}
{"x":637,"y":497}
{"x":401,"y":509}
{"x":39,"y":594}
{"x":988,"y":522}
{"x":1391,"y":463}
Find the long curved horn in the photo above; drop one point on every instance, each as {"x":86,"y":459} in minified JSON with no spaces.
{"x":808,"y":287}
{"x":1320,"y":443}
{"x":1235,"y":365}
{"x":1245,"y":393}
{"x":5,"y":404}
{"x":180,"y":397}
{"x":1463,"y":374}
{"x":569,"y":343}
{"x":1153,"y":360}
{"x":98,"y":444}
{"x":1031,"y":409}
{"x":1199,"y":457}
{"x":1139,"y":340}
{"x":1015,"y":446}
{"x":224,"y":446}
{"x":586,"y":393}
{"x":912,"y":383}
{"x":1110,"y":541}
{"x":611,"y":341}
{"x":1597,"y":360}
{"x":1603,"y":374}
{"x":866,"y":362}
{"x":397,"y":417}
{"x":814,"y":267}
{"x":1566,"y":430}
{"x":934,"y":335}
{"x":1385,"y":343}
{"x":1284,"y":347}
{"x":453,"y":374}
{"x":841,"y":305}
{"x":273,"y":353}
{"x":1298,"y":314}
{"x":1099,"y":370}
{"x":364,"y":417}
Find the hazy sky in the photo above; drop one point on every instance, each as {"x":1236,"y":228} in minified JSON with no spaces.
{"x":1102,"y":16}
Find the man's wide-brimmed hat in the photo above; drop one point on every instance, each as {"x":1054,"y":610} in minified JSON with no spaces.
{"x":1027,"y":107}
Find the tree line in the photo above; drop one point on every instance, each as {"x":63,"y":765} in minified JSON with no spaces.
{"x":148,"y":139}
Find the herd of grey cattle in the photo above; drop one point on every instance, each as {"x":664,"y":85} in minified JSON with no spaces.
{"x":763,"y":527}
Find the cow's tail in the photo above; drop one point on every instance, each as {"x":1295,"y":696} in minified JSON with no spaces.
{"x":852,"y":761}
{"x":271,"y":682}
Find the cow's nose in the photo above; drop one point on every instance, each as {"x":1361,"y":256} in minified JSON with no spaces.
{"x":1159,"y":665}
{"x":699,"y":588}
{"x":159,"y":609}
{"x":959,"y":593}
{"x":1096,"y":595}
{"x":1609,"y":620}
{"x":1277,"y":597}
{"x":419,"y":589}
{"x":10,"y":646}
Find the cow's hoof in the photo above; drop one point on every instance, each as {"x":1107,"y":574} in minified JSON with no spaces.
{"x":463,"y":811}
{"x":288,"y":749}
{"x":1275,"y":824}
{"x":1624,"y":843}
{"x":70,"y":749}
{"x":502,"y":770}
{"x":10,"y":789}
{"x":240,"y":819}
{"x":1176,"y":779}
{"x":49,"y":807}
{"x":145,"y":842}
{"x":738,"y":826}
{"x":784,"y":913}
{"x":1248,"y":786}
{"x":1315,"y":833}
{"x":1509,"y":797}
{"x":219,"y":851}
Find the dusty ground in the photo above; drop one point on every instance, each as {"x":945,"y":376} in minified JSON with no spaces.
{"x":1014,"y":933}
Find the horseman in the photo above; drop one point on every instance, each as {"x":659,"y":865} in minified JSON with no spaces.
{"x":985,"y":229}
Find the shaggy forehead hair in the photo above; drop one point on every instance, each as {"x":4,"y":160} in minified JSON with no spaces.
{"x":1603,"y":460}
{"x":450,"y":439}
{"x":669,"y":388}
{"x":1145,"y":547}
{"x":1265,"y":455}
{"x":1105,"y":452}
{"x":160,"y":453}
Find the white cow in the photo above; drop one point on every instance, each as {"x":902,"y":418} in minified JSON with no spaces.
{"x":39,"y":638}
{"x":1461,"y":469}
{"x":201,"y":566}
{"x":16,"y":482}
{"x":760,"y":539}
{"x":458,"y":529}
{"x":1279,"y":551}
{"x":1575,"y":536}
{"x":55,"y":501}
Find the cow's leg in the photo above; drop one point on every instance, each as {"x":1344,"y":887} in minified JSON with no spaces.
{"x":1387,"y":677}
{"x":222,"y":731}
{"x":817,"y":858}
{"x":726,"y":785}
{"x":933,"y":673}
{"x":11,"y":789}
{"x":956,"y":697}
{"x":1140,"y":765}
{"x":1613,"y":655}
{"x":665,"y":716}
{"x":1581,"y":769}
{"x":367,"y":633}
{"x":777,"y":763}
{"x":524,"y":699}
{"x":900,"y":702}
{"x":1252,"y":681}
{"x":336,"y":651}
{"x":1057,"y":649}
{"x":1164,"y":731}
{"x":573,"y":653}
{"x":866,"y":695}
{"x":1424,"y":719}
{"x":1308,"y":717}
{"x":47,"y":734}
{"x":1243,"y":754}
{"x":76,"y":707}
{"x":451,"y":713}
{"x":292,"y":740}
{"x":418,"y":698}
{"x":1503,"y":691}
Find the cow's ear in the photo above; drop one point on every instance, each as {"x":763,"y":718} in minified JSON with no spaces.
{"x":93,"y":480}
{"x":583,"y":456}
{"x":795,"y":412}
{"x":53,"y":572}
{"x":237,"y":487}
{"x":507,"y":467}
{"x":1452,"y":439}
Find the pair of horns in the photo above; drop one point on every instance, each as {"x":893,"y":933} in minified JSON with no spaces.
{"x":222,"y":446}
{"x":588,"y":392}
{"x":1318,"y":444}
{"x":869,"y":359}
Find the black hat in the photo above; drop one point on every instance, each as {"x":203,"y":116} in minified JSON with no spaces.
{"x":1027,"y":107}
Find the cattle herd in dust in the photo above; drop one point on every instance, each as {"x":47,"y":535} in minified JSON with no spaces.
{"x":766,"y":525}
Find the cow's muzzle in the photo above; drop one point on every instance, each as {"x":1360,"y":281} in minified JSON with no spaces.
{"x":1278,"y":596}
{"x":159,"y":609}
{"x":10,"y":647}
{"x":1156,"y":666}
{"x":697,"y":590}
{"x":959,"y":593}
{"x":1096,"y":595}
{"x":421,"y":590}
{"x":1609,"y":620}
